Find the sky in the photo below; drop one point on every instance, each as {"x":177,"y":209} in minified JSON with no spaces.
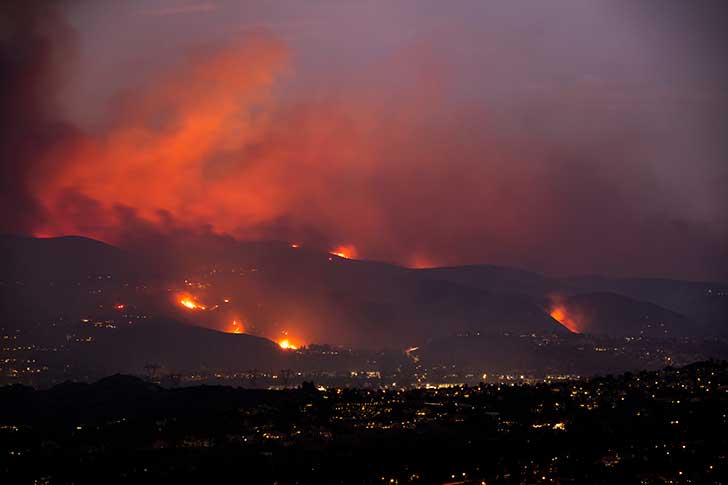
{"x":568,"y":137}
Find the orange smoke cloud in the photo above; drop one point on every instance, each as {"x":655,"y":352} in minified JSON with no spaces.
{"x":210,"y":146}
{"x":179,"y":146}
{"x":213,"y":144}
{"x":218,"y":145}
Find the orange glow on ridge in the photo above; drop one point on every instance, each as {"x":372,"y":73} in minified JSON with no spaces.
{"x":346,"y":252}
{"x":560,"y":314}
{"x":420,"y":262}
{"x":236,"y":327}
{"x":287,"y":345}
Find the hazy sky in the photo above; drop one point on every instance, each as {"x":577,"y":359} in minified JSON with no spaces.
{"x":566,"y":136}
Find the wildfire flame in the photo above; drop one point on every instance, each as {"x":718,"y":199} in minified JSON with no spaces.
{"x":190,"y":303}
{"x":560,"y":314}
{"x":346,"y":252}
{"x":295,"y":246}
{"x":287,"y":345}
{"x":236,"y":327}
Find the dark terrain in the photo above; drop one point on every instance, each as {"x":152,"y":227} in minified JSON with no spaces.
{"x":77,"y":308}
{"x":650,"y":427}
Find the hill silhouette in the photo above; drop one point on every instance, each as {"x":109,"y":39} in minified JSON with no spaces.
{"x":51,"y":286}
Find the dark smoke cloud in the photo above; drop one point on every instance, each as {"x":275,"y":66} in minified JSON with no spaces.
{"x":36,"y":46}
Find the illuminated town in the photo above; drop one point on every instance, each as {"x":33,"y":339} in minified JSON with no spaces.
{"x":667,"y":426}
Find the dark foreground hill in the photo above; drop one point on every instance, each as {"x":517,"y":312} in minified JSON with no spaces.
{"x":658,"y":427}
{"x":176,"y":347}
{"x":61,"y":259}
